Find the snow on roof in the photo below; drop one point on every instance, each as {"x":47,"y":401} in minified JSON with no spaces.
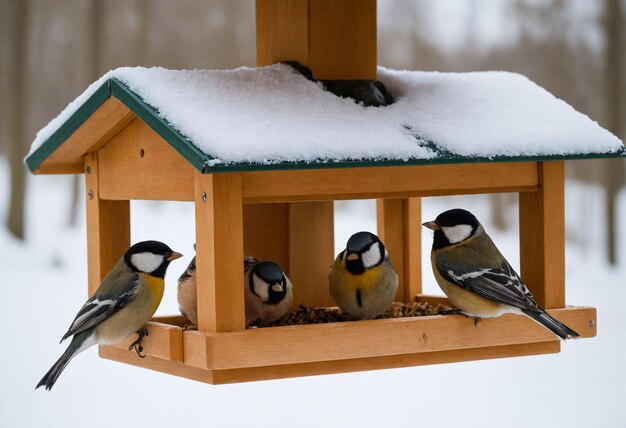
{"x":274,"y":114}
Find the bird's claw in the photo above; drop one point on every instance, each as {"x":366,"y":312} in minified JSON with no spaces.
{"x":136,"y":345}
{"x":476,"y":319}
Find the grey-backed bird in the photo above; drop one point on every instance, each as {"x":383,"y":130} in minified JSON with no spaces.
{"x":477,"y":278}
{"x":268,"y":292}
{"x":125,"y":300}
{"x":362,"y":280}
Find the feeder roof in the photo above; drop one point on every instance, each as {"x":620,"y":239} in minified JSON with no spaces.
{"x":274,"y":118}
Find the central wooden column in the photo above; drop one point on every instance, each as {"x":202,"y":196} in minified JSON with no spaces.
{"x":336,"y":40}
{"x":542,"y":236}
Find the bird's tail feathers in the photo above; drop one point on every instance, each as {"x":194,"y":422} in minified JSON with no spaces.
{"x":552,"y":324}
{"x":80,"y":342}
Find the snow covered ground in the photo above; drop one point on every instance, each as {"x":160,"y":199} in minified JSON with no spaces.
{"x":44,"y":283}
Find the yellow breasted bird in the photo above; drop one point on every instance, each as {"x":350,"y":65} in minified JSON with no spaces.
{"x":362,"y":280}
{"x":477,"y":278}
{"x":125,"y":300}
{"x":268,"y":292}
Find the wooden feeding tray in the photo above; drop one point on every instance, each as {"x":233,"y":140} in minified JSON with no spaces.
{"x":306,"y":350}
{"x":284,"y":212}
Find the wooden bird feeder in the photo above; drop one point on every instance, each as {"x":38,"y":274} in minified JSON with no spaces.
{"x":127,"y":152}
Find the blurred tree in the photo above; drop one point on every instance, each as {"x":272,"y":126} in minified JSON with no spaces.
{"x":15,"y":21}
{"x":91,"y":17}
{"x":613,"y":92}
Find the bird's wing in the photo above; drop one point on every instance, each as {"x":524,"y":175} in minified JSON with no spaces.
{"x":102,"y":304}
{"x":500,"y":283}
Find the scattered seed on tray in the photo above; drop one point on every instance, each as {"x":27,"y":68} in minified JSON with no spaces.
{"x":299,"y":315}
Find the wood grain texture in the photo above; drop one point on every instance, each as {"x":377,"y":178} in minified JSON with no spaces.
{"x":311,"y":251}
{"x":175,"y":320}
{"x":163,"y":341}
{"x":219,"y":252}
{"x":266,"y":233}
{"x":388,"y":182}
{"x":108,"y":226}
{"x":399,"y":228}
{"x":282,"y":31}
{"x":542,"y":236}
{"x":60,"y":168}
{"x":335,"y":39}
{"x":342,"y":39}
{"x":325,"y":367}
{"x":375,"y":338}
{"x":138,"y":164}
{"x":109,"y":119}
{"x":377,"y":363}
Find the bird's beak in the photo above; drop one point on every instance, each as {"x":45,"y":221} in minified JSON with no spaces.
{"x":352,"y":256}
{"x":277,"y":287}
{"x":174,"y":256}
{"x":431,"y":225}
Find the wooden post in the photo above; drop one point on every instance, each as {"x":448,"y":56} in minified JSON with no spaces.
{"x":342,"y":39}
{"x":311,"y":247}
{"x":542,"y":236}
{"x":336,"y":40}
{"x":219,"y":252}
{"x":399,"y":228}
{"x":108,"y":227}
{"x":266,"y":232}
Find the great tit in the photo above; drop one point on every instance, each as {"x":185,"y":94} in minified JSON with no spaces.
{"x":125,"y":300}
{"x":268,"y":292}
{"x":362,"y":280}
{"x":477,"y":278}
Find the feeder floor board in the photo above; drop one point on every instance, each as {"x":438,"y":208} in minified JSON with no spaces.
{"x":304,"y":350}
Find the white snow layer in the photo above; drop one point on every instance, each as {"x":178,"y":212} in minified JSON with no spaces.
{"x":273,"y":114}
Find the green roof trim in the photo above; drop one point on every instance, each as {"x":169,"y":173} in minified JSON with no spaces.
{"x":151,"y":118}
{"x":440,"y":160}
{"x":205,"y":163}
{"x":63,"y":133}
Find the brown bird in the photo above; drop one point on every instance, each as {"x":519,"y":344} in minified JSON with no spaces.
{"x":268,"y":292}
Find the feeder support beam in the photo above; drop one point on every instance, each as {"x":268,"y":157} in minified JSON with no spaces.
{"x":219,"y":252}
{"x":542,"y":236}
{"x":108,"y":226}
{"x":335,"y":39}
{"x":400,"y":230}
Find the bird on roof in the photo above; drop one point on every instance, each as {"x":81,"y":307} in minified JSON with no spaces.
{"x":362,"y":280}
{"x":268,"y":292}
{"x":125,"y":300}
{"x":477,"y":278}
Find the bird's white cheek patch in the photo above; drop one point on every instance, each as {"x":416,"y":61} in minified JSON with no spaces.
{"x":146,"y":262}
{"x":457,"y":233}
{"x":372,"y":256}
{"x":261,"y":288}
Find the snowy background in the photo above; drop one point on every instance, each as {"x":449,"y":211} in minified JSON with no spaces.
{"x":559,"y":44}
{"x":44,"y":284}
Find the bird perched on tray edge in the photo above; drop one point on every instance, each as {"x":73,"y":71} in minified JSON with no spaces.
{"x":125,"y":300}
{"x":362,"y":280}
{"x":477,"y":278}
{"x":268,"y":292}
